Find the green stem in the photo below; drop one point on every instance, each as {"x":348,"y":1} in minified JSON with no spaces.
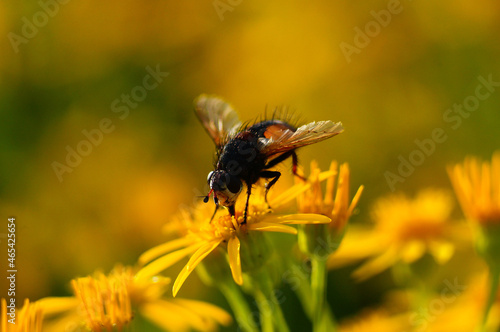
{"x":239,"y":305}
{"x":494,"y":279}
{"x":320,"y":310}
{"x":405,"y":278}
{"x":266,"y":316}
{"x":303,"y":291}
{"x":269,"y":306}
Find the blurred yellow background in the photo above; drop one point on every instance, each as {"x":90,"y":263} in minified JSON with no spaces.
{"x":68,"y":65}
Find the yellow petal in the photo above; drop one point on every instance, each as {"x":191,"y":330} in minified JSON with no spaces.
{"x":172,"y":317}
{"x":359,"y":243}
{"x":61,"y":323}
{"x":330,"y":184}
{"x":197,"y":257}
{"x":326,"y":174}
{"x":233,"y":249}
{"x":412,"y":251}
{"x":289,"y":195}
{"x":55,"y":305}
{"x":298,"y":218}
{"x":441,"y":251}
{"x":296,"y":190}
{"x":3,"y":319}
{"x":272,"y":227}
{"x":376,"y":265}
{"x":165,"y":262}
{"x":207,"y":310}
{"x":201,"y":253}
{"x":158,"y":251}
{"x":355,"y":200}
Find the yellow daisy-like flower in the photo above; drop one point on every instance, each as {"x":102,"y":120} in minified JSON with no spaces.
{"x":477,"y":186}
{"x":30,"y":318}
{"x":463,"y":307}
{"x":205,"y":236}
{"x":405,"y":230}
{"x":335,"y":202}
{"x":109,"y":302}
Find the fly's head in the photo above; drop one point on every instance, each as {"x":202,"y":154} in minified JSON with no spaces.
{"x":224,"y":186}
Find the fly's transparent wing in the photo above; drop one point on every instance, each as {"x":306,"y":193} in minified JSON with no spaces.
{"x":217,"y":116}
{"x":286,"y":139}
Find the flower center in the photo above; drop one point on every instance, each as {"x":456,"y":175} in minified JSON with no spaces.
{"x":105,"y":300}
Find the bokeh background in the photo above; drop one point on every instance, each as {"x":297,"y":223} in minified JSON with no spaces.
{"x":62,"y":76}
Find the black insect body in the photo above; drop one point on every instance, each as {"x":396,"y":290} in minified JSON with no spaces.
{"x":245,"y":154}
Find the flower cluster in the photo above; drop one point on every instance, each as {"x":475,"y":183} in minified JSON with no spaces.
{"x":410,"y":236}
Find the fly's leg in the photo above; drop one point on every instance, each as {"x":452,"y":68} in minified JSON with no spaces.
{"x":283,"y":157}
{"x":295,"y":164}
{"x":249,"y":192}
{"x":280,"y":159}
{"x":232,"y":212}
{"x":215,"y":211}
{"x":270,"y":175}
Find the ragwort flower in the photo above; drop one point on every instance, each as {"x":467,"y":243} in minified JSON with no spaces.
{"x":30,"y":318}
{"x":477,"y":186}
{"x":319,"y":241}
{"x":109,"y":302}
{"x":334,"y":203}
{"x":465,"y":307}
{"x":405,"y":230}
{"x":225,"y":231}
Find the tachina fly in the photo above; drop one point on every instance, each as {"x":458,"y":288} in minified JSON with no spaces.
{"x":245,"y":153}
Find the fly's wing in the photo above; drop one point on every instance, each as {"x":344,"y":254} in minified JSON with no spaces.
{"x":217,"y":116}
{"x":280,"y":140}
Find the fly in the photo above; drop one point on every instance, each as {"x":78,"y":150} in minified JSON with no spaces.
{"x":246,"y":153}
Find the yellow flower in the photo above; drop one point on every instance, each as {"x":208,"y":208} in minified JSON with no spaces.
{"x":205,"y":236}
{"x":462,"y":307}
{"x":30,"y":318}
{"x":109,"y":302}
{"x":478,"y":189}
{"x":335,"y":203}
{"x":404,"y":231}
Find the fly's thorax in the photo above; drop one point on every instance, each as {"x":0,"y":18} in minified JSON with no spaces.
{"x":241,"y":157}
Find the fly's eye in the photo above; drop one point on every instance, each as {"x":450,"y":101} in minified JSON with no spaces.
{"x":210,"y":176}
{"x":234,"y":184}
